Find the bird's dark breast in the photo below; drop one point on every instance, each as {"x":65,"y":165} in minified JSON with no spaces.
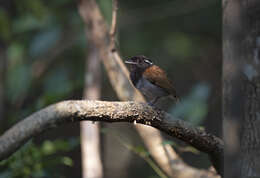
{"x":135,"y":77}
{"x":149,"y":90}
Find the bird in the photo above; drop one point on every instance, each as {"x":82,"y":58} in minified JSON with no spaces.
{"x":150,"y":79}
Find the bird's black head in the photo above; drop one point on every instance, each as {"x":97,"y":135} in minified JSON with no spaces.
{"x":139,"y":62}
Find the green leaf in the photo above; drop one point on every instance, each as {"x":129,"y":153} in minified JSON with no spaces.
{"x":48,"y":147}
{"x":189,"y":149}
{"x":141,"y":150}
{"x":168,"y":142}
{"x":67,"y":161}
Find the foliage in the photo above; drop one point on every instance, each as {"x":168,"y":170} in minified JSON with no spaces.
{"x":37,"y":161}
{"x":139,"y":150}
{"x":180,"y":36}
{"x":193,"y":107}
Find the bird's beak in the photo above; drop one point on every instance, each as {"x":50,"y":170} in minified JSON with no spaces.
{"x":130,"y":62}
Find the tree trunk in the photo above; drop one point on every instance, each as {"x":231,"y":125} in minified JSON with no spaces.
{"x":2,"y":84}
{"x":89,"y":131}
{"x":241,"y":87}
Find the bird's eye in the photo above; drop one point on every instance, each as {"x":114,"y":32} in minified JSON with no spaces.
{"x":147,"y":61}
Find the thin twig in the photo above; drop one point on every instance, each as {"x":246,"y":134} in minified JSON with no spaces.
{"x":143,"y":154}
{"x":147,"y":159}
{"x":114,"y":19}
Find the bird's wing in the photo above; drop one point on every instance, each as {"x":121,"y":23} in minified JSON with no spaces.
{"x":158,"y":77}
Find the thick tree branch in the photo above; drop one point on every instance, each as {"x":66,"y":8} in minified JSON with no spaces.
{"x":72,"y":111}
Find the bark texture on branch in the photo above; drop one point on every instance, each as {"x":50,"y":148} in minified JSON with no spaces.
{"x":72,"y":111}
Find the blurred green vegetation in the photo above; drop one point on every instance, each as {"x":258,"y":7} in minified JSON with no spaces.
{"x":45,"y":47}
{"x":193,"y":107}
{"x":37,"y":161}
{"x":139,"y":150}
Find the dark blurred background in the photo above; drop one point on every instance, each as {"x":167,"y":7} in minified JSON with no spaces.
{"x":43,"y":49}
